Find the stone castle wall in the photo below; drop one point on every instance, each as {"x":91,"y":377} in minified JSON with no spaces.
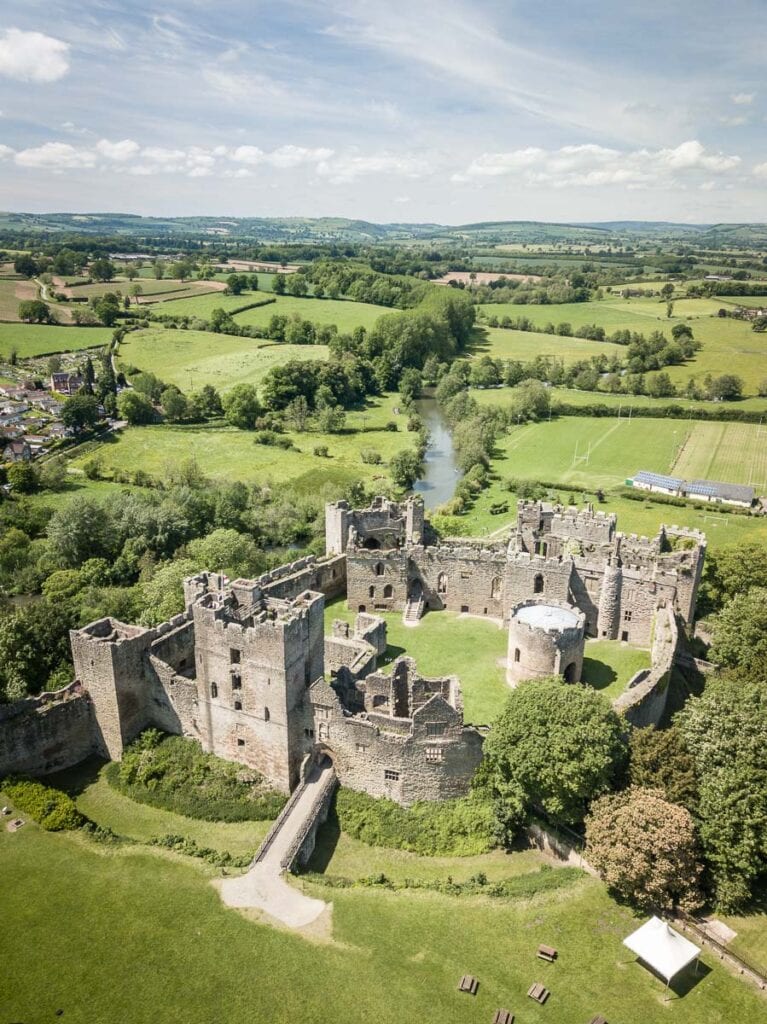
{"x":644,"y":701}
{"x":47,"y":733}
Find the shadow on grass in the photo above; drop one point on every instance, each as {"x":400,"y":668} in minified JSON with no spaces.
{"x":392,"y":652}
{"x":76,"y":780}
{"x":597,"y":674}
{"x":327,"y":840}
{"x":684,"y":982}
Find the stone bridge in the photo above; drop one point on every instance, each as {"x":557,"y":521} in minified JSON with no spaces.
{"x":288,"y":844}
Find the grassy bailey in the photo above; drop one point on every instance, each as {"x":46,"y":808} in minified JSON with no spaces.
{"x":174,"y":773}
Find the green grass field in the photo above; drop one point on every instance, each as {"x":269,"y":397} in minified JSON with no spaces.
{"x":570,"y":396}
{"x":191,"y":359}
{"x":229,"y":454}
{"x":137,"y":935}
{"x":150,"y":287}
{"x":735,"y":452}
{"x":203,"y":305}
{"x":345,"y":315}
{"x":31,"y":340}
{"x":501,"y":343}
{"x":12,"y":292}
{"x":475,"y":650}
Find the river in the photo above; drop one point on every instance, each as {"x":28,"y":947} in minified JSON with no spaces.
{"x":441,"y":475}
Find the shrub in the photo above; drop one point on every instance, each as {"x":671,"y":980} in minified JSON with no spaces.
{"x":370,"y":456}
{"x":450,"y":828}
{"x":188,"y":846}
{"x":175,"y":774}
{"x":321,"y":451}
{"x":52,"y":810}
{"x":273,"y":439}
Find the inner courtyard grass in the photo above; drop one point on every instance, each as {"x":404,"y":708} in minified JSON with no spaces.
{"x":192,"y":359}
{"x":141,"y":936}
{"x":475,"y":650}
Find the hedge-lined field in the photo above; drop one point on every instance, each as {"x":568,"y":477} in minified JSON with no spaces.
{"x":191,"y":359}
{"x":502,"y":343}
{"x":31,"y":340}
{"x":344,"y":314}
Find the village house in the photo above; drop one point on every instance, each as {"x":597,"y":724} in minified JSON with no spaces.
{"x":17,"y":451}
{"x":66,"y":383}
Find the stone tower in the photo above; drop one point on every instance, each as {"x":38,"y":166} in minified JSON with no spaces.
{"x":545,"y":640}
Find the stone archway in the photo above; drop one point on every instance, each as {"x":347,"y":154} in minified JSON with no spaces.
{"x":570,"y":674}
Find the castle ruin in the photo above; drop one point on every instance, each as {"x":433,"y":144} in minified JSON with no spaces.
{"x":248,"y":671}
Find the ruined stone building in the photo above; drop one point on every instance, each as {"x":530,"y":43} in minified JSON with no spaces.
{"x":248,"y":671}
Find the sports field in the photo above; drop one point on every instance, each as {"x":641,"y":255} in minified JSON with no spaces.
{"x":501,"y":343}
{"x":230,"y":454}
{"x":31,"y":340}
{"x":142,"y":936}
{"x":734,"y":452}
{"x":191,"y":359}
{"x":344,"y":314}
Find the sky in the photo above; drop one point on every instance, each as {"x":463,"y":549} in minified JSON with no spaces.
{"x":446,"y":111}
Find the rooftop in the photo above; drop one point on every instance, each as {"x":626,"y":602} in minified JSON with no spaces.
{"x":547,"y":616}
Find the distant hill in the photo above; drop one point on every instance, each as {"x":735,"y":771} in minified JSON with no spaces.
{"x":344,"y":230}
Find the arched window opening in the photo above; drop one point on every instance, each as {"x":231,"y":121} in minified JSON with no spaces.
{"x":442,"y":583}
{"x":388,"y":590}
{"x":538,"y":584}
{"x":371,"y":591}
{"x":267,"y":716}
{"x":379,"y":568}
{"x":495,"y":589}
{"x":516,"y":654}
{"x":213,"y":690}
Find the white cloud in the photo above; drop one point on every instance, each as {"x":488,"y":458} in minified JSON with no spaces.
{"x":733,"y":122}
{"x":760,"y":171}
{"x":56,"y":156}
{"x":33,"y":56}
{"x":346,"y":168}
{"x":294,"y":156}
{"x":118,"y":151}
{"x":6,"y":152}
{"x":251,"y":155}
{"x":743,"y":99}
{"x":590,"y":165}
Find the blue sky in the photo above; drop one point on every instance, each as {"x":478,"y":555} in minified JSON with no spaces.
{"x":448,"y":111}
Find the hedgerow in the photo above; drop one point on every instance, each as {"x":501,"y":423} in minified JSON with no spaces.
{"x":174,"y":773}
{"x":53,"y":810}
{"x":457,"y":828}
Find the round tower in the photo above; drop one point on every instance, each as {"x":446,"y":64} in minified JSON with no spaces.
{"x":545,"y":639}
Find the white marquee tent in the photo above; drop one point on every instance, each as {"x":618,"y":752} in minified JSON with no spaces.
{"x":661,"y":948}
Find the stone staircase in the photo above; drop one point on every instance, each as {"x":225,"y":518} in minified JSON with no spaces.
{"x":413,"y":612}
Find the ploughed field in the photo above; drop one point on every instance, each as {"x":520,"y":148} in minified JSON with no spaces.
{"x":141,"y":935}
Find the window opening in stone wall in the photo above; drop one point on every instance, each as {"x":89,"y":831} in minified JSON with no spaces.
{"x":360,"y":607}
{"x":388,"y":590}
{"x":435,"y":754}
{"x":309,"y":733}
{"x":435,"y":728}
{"x":541,"y":547}
{"x":379,"y":569}
{"x":371,"y":591}
{"x":238,"y":705}
{"x":495,"y":589}
{"x":234,"y":656}
{"x":236,"y":682}
{"x":538,"y":584}
{"x":442,"y":583}
{"x":240,"y":742}
{"x":516,"y":654}
{"x":361,"y":748}
{"x":390,"y":775}
{"x":624,"y":635}
{"x":213,"y":690}
{"x":267,"y":716}
{"x":627,"y":615}
{"x":465,"y":608}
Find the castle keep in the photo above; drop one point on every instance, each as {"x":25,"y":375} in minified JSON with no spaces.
{"x":248,"y":671}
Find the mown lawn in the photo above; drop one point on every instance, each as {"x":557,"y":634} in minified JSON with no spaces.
{"x":135,"y":935}
{"x":230,"y":454}
{"x":31,"y":340}
{"x":608,"y":665}
{"x":191,"y":359}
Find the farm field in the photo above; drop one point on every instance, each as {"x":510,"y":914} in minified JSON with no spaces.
{"x":31,"y":340}
{"x":571,"y":396}
{"x":151,"y":288}
{"x":124,"y":910}
{"x":751,"y":301}
{"x":501,"y":343}
{"x":230,"y":454}
{"x":191,"y":359}
{"x":12,"y":292}
{"x":729,"y":346}
{"x":203,"y":305}
{"x":346,"y":315}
